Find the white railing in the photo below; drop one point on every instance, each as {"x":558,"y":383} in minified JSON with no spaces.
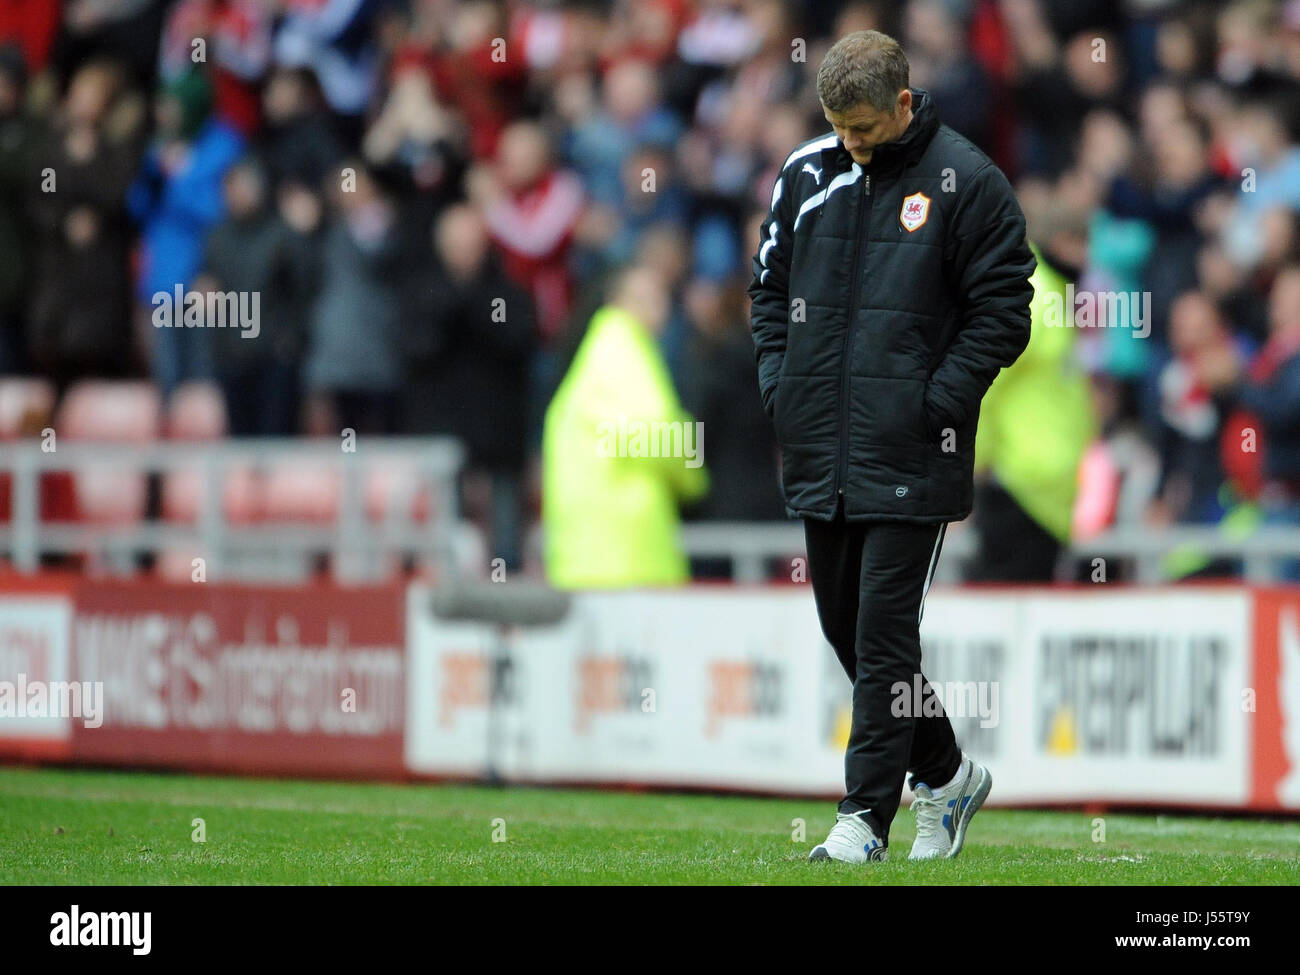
{"x":419,"y":521}
{"x":751,"y":547}
{"x":362,"y":547}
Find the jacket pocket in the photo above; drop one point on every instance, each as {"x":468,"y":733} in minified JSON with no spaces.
{"x":935,"y":421}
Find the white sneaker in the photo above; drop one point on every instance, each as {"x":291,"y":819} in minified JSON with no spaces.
{"x":852,"y":840}
{"x":943,"y":814}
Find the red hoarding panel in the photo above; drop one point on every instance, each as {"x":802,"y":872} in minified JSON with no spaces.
{"x":1276,"y":777}
{"x":295,"y":681}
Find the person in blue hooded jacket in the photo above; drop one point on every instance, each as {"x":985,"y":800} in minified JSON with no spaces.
{"x":177,"y":199}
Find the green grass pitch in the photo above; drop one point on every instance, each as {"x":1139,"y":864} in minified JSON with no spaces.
{"x":71,"y":826}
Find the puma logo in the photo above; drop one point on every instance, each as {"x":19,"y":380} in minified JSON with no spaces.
{"x":816,"y":173}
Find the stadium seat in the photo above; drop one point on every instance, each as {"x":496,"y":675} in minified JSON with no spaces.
{"x":241,"y":495}
{"x":110,"y":412}
{"x":394,"y":488}
{"x":296,"y":492}
{"x":175,"y":565}
{"x":26,"y":408}
{"x":197,"y":411}
{"x":26,"y":405}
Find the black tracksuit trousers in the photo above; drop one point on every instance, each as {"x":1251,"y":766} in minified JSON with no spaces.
{"x":869,"y":581}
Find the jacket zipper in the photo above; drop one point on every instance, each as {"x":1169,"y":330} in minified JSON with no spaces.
{"x":842,"y":467}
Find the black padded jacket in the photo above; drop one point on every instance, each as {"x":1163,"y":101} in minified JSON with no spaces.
{"x":884,"y":301}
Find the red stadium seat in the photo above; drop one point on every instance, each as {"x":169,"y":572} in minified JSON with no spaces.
{"x":197,"y":411}
{"x":26,"y":408}
{"x":26,"y":405}
{"x":396,"y":486}
{"x":110,"y":412}
{"x":300,"y":492}
{"x":241,"y":495}
{"x":175,"y":565}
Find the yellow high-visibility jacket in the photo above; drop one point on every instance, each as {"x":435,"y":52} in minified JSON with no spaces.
{"x":619,"y":454}
{"x":1037,"y":418}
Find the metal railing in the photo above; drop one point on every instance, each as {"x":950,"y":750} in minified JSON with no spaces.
{"x":362,"y":547}
{"x":359,"y":547}
{"x":1140,"y":553}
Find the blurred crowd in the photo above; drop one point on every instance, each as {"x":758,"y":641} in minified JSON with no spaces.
{"x":373,"y":168}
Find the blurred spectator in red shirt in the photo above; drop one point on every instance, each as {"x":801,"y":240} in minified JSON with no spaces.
{"x":31,"y":25}
{"x":532,"y":208}
{"x":481,"y":72}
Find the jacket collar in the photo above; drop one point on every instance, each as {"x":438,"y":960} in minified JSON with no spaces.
{"x":910,"y":145}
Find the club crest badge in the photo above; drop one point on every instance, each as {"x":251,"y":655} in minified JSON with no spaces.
{"x":916,"y":210}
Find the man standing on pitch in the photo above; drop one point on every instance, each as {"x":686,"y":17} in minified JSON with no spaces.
{"x":890,"y":286}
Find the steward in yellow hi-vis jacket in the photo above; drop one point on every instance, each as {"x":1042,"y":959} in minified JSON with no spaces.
{"x":1036,"y":422}
{"x":619,"y":453}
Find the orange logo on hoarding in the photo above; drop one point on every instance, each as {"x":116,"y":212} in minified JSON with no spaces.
{"x":610,"y":685}
{"x":464,"y":685}
{"x":742,"y":689}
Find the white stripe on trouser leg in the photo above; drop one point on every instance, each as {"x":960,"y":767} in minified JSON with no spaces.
{"x":929,"y":575}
